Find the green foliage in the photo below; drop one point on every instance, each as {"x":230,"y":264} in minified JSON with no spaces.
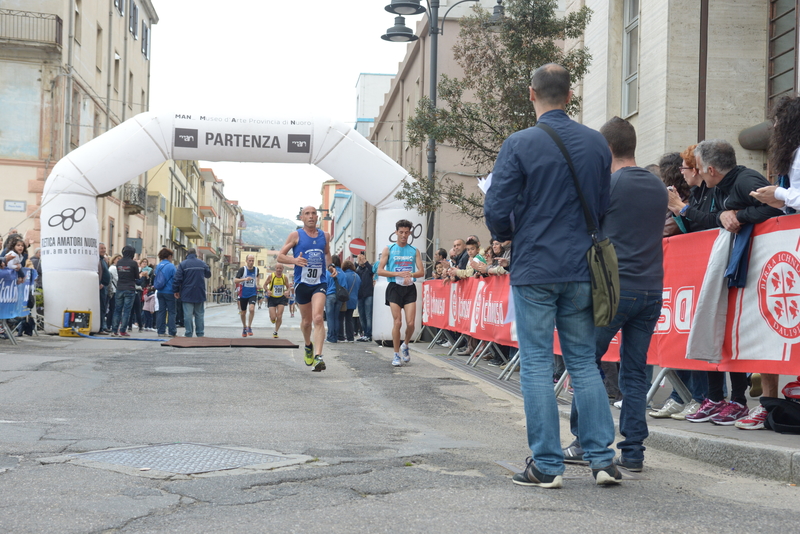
{"x":477,"y":112}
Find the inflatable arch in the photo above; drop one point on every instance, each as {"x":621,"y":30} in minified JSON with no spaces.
{"x":70,"y":227}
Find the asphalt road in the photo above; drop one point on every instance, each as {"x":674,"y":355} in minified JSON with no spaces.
{"x":410,"y":449}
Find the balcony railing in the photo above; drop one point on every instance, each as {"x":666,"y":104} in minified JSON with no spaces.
{"x":30,"y":26}
{"x":135,"y":198}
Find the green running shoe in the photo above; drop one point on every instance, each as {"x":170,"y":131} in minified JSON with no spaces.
{"x":319,"y":365}
{"x":309,"y":355}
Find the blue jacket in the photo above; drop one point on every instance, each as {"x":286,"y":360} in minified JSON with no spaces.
{"x":352,"y":284}
{"x":190,"y":279}
{"x":168,"y":269}
{"x":532,"y":200}
{"x":332,"y":284}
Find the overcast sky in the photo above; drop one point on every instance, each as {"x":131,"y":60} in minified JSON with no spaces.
{"x":269,"y":57}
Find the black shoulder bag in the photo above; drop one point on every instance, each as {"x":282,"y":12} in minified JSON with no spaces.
{"x":602,"y":258}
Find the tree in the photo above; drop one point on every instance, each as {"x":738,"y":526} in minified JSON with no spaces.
{"x":476,"y":113}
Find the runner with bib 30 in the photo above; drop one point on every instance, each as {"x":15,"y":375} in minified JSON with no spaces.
{"x":311,"y":255}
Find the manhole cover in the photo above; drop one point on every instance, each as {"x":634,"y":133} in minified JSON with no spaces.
{"x":182,"y":458}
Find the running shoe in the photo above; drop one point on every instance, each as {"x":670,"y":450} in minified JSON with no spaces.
{"x":405,"y":353}
{"x":114,"y":334}
{"x":249,"y":331}
{"x":319,"y":365}
{"x":309,"y":354}
{"x":689,"y":409}
{"x":275,"y":335}
{"x":573,"y":454}
{"x":630,"y":465}
{"x":244,"y":332}
{"x":533,"y":477}
{"x":272,"y":321}
{"x":618,"y":404}
{"x":730,"y":414}
{"x":670,"y":407}
{"x":607,"y":476}
{"x":706,"y":411}
{"x":397,"y":362}
{"x":755,"y":421}
{"x":124,"y":334}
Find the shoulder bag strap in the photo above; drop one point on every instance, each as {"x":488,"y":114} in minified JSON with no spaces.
{"x":591,"y":227}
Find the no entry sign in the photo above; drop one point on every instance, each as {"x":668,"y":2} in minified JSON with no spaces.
{"x":357,"y":246}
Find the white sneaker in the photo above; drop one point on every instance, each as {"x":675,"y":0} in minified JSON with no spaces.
{"x":397,"y":362}
{"x":618,"y":404}
{"x":405,"y":353}
{"x":447,"y":344}
{"x":669,"y":408}
{"x":690,"y":408}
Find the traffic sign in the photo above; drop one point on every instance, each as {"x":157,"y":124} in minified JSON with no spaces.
{"x":357,"y":246}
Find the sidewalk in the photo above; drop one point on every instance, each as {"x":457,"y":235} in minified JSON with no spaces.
{"x":758,"y":452}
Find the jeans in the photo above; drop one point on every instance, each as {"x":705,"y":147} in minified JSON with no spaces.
{"x":696,"y":381}
{"x":165,"y":316}
{"x":332,"y":307}
{"x":136,"y":311}
{"x":567,"y":306}
{"x":122,"y":309}
{"x":365,"y":315}
{"x":636,"y":316}
{"x":196,"y":311}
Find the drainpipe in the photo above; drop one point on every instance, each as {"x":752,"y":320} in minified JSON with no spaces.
{"x":702,"y":81}
{"x":125,"y":66}
{"x":109,"y":67}
{"x":68,"y":89}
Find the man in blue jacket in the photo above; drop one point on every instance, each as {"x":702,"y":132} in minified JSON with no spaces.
{"x":162,"y":281}
{"x":190,"y":286}
{"x":533,"y":201}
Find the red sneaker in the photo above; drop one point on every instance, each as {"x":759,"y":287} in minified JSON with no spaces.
{"x":707,"y":410}
{"x":730,"y":414}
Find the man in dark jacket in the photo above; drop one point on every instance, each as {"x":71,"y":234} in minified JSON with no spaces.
{"x":534,"y":202}
{"x":716,"y":161}
{"x":105,"y":279}
{"x":365,"y":291}
{"x":128,"y":272}
{"x":190,"y":286}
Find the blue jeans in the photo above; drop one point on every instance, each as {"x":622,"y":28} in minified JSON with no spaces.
{"x":365,"y":315}
{"x":332,"y":308}
{"x":165,"y":316}
{"x":636,"y":316}
{"x":122,"y":309}
{"x":696,"y":381}
{"x":103,"y":305}
{"x":196,"y":311}
{"x":568,"y":307}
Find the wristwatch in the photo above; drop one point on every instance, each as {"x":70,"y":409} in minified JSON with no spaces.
{"x":683,"y":209}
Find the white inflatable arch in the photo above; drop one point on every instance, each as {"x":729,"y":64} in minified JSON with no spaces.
{"x":70,"y":227}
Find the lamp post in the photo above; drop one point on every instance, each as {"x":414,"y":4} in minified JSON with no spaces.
{"x":400,"y":33}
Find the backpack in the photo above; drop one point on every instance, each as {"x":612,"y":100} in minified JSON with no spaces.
{"x":342,"y":294}
{"x":160,"y":281}
{"x":783,"y":415}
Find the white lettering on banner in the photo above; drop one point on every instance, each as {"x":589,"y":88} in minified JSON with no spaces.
{"x":477,"y":308}
{"x":493,"y":313}
{"x":676,"y":314}
{"x":779,"y":294}
{"x":437,"y":306}
{"x":453,"y":316}
{"x":242,"y":140}
{"x":8,"y":293}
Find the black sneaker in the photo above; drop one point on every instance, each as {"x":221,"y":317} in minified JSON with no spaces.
{"x":573,"y":454}
{"x":319,"y":364}
{"x":532,"y":477}
{"x":630,"y":465}
{"x":607,"y":476}
{"x":497,"y":362}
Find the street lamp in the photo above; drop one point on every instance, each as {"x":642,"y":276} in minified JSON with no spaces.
{"x":400,"y":33}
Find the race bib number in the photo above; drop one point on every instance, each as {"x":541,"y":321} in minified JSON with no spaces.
{"x":250,"y":283}
{"x":312,"y":272}
{"x":277,"y":291}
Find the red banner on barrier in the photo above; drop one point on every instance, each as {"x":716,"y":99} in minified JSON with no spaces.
{"x":762,"y":323}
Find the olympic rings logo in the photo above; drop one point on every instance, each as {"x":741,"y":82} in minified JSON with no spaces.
{"x":67,"y":218}
{"x":415,"y":233}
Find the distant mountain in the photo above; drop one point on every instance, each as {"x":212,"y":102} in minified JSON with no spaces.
{"x":266,"y":230}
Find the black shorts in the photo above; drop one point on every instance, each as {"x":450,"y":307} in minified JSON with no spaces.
{"x":246,"y":301}
{"x":274,"y":302}
{"x":304,"y":292}
{"x":400,"y":295}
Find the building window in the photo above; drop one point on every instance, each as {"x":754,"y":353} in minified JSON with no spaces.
{"x":99,"y":50}
{"x":630,"y":58}
{"x":116,"y":71}
{"x":111,"y":236}
{"x":782,"y":53}
{"x":145,"y":40}
{"x":120,"y":5}
{"x":78,"y":21}
{"x":133,"y":20}
{"x":130,"y":90}
{"x":75,"y":120}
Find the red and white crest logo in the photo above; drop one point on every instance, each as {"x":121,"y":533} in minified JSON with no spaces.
{"x":779,"y":294}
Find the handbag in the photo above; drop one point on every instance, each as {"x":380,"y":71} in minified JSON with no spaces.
{"x":342,"y":294}
{"x":602,"y":258}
